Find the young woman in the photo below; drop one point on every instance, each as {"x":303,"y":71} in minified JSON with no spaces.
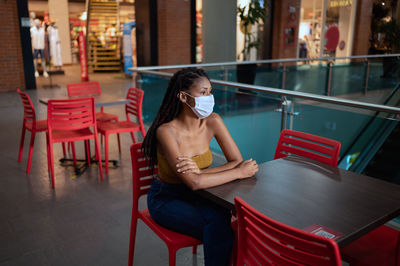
{"x":178,"y":142}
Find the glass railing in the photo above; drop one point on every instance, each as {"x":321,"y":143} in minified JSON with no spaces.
{"x":371,"y":136}
{"x":349,"y":77}
{"x":256,"y":119}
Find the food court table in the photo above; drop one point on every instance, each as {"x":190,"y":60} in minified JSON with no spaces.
{"x":102,"y":100}
{"x":99,"y":101}
{"x":302,"y":193}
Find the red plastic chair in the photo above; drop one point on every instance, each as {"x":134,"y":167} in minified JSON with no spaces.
{"x":69,"y":121}
{"x":88,"y":89}
{"x":379,"y":247}
{"x":133,"y":109}
{"x":307,"y":145}
{"x":31,"y":124}
{"x":142,"y":178}
{"x":264,"y":241}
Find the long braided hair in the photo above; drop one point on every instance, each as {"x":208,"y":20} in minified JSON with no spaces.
{"x":170,"y":107}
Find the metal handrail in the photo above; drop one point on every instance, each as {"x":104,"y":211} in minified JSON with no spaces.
{"x":371,"y":120}
{"x":286,"y":60}
{"x":303,"y":95}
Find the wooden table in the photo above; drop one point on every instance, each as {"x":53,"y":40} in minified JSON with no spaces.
{"x":99,"y":101}
{"x":301,"y":192}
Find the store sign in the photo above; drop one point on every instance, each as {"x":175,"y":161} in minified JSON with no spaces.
{"x":82,"y":56}
{"x":25,"y":22}
{"x":340,"y":3}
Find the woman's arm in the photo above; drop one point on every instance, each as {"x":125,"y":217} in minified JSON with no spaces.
{"x":234,"y":169}
{"x":225,"y":141}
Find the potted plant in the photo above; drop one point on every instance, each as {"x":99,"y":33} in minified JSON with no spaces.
{"x":249,"y":15}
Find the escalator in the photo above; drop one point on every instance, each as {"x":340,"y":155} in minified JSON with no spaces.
{"x":375,"y":150}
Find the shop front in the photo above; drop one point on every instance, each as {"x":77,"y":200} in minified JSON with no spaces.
{"x":326,"y":28}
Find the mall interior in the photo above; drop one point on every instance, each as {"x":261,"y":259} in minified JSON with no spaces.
{"x":330,"y":68}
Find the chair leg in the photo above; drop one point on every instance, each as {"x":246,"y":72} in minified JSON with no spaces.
{"x":119,"y":143}
{"x":87,"y":152}
{"x":194,"y":249}
{"x":132,"y":239}
{"x":171,"y":256}
{"x":96,"y":140}
{"x":28,"y":168}
{"x":64,"y":151}
{"x":73,"y":153}
{"x":106,"y":151}
{"x":133,"y":137}
{"x":48,"y":154}
{"x":21,"y":145}
{"x":51,"y":164}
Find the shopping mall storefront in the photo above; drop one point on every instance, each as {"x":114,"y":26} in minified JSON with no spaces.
{"x":326,"y":28}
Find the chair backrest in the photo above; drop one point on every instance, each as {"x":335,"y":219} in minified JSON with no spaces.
{"x":134,"y":107}
{"x":29,"y":110}
{"x":84,"y":89}
{"x":264,"y":241}
{"x":71,"y":114}
{"x":142,"y":176}
{"x":307,"y":145}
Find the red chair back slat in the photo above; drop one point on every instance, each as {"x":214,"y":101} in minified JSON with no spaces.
{"x":134,"y":107}
{"x":135,"y":97}
{"x":29,"y":110}
{"x":84,"y":89}
{"x":307,"y":145}
{"x":71,"y":114}
{"x":141,"y":173}
{"x":264,"y":241}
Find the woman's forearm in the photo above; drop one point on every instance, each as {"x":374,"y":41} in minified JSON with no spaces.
{"x":206,"y":180}
{"x":224,"y":167}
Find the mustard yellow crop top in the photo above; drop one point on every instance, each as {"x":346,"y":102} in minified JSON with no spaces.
{"x":166,"y":173}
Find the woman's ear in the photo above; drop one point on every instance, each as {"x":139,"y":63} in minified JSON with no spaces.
{"x":182,"y":96}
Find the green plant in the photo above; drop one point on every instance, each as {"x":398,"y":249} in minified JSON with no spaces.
{"x":250,"y":15}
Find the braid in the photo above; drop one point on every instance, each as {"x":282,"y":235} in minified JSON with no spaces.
{"x":170,"y":107}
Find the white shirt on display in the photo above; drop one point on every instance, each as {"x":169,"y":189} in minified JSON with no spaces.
{"x":37,"y":35}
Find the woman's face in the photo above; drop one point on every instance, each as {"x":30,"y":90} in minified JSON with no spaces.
{"x":201,"y":87}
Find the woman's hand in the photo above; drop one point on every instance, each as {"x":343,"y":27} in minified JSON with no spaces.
{"x":187,"y":165}
{"x":247,"y":168}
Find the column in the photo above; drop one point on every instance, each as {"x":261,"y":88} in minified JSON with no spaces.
{"x":58,"y":10}
{"x":219,"y":31}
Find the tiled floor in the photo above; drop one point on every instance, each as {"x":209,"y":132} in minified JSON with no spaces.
{"x":83,"y":221}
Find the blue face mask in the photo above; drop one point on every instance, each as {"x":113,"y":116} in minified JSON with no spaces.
{"x":204,"y":105}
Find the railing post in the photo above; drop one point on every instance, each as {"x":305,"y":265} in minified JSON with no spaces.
{"x":328,"y":83}
{"x":283,"y":112}
{"x":283,"y":81}
{"x":366,"y":74}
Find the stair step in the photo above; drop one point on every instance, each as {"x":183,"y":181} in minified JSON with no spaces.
{"x":105,"y":63}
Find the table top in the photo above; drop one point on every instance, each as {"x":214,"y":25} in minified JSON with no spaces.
{"x":300,"y":192}
{"x":99,"y":101}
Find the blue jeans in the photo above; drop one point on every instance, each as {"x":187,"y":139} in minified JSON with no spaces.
{"x":178,"y":208}
{"x":36,"y":53}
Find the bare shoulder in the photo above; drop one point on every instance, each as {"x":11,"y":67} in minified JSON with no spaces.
{"x":214,"y":120}
{"x":165,"y":130}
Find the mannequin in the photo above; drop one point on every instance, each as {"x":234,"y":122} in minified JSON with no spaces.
{"x":32,"y":16}
{"x":55,"y":46}
{"x":37,"y":35}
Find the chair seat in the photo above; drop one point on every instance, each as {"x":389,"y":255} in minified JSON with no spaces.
{"x":103,"y":117}
{"x":375,"y":248}
{"x":41,"y":125}
{"x":170,"y":237}
{"x":118,"y":127}
{"x":71,"y":135}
